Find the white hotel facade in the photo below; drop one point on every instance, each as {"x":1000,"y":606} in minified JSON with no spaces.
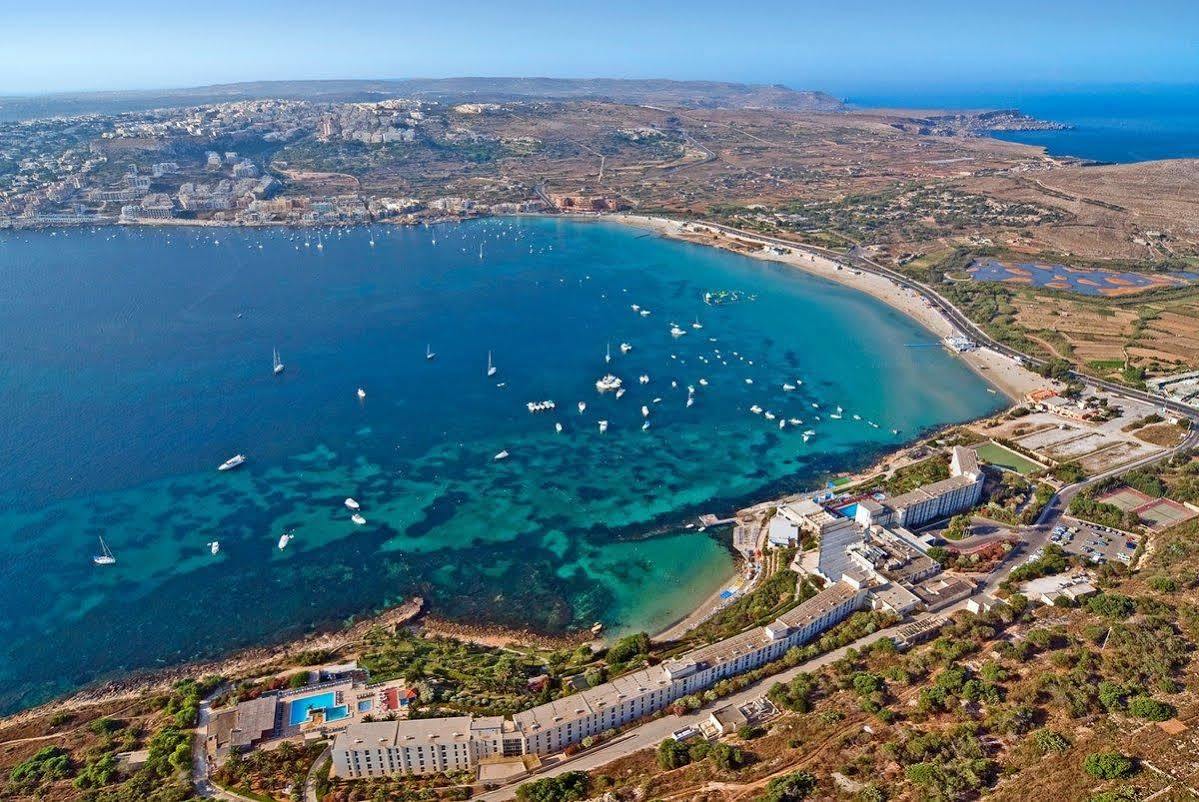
{"x":426,"y":746}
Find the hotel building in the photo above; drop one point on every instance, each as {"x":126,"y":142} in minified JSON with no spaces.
{"x":424,"y":746}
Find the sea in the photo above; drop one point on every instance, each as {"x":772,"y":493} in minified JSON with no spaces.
{"x":134,"y":361}
{"x":1110,"y":124}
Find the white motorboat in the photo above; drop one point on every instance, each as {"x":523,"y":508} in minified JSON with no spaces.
{"x":358,"y":519}
{"x":284,"y":539}
{"x":608,"y":354}
{"x":757,"y":410}
{"x":361,"y":394}
{"x":233,"y":462}
{"x":277,"y":361}
{"x":608,"y":382}
{"x":645,"y":313}
{"x":788,"y":388}
{"x":620,"y":392}
{"x":703,"y":382}
{"x":690,"y":400}
{"x":768,"y":415}
{"x":644,"y":379}
{"x":603,"y":426}
{"x":697,"y":324}
{"x":105,"y":556}
{"x":214,"y":547}
{"x":352,"y":504}
{"x":675,"y":331}
{"x":558,"y":428}
{"x":645,"y":426}
{"x":644,"y":411}
{"x":625,"y":348}
{"x":500,"y":456}
{"x":795,"y":421}
{"x":749,"y":381}
{"x":582,"y":406}
{"x":857,"y":417}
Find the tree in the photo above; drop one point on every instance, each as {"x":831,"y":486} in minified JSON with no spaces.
{"x":568,"y":787}
{"x":673,"y":754}
{"x":728,"y":758}
{"x":628,"y":647}
{"x":867,"y":684}
{"x":1108,"y":765}
{"x":794,"y":787}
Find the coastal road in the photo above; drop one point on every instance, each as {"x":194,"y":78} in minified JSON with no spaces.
{"x":653,"y":732}
{"x":954,"y":315}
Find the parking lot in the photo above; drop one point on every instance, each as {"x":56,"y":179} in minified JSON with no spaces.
{"x":1099,"y":544}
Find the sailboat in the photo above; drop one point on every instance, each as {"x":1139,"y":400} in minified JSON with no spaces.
{"x":697,"y":324}
{"x":490,"y":367}
{"x":277,"y":361}
{"x":105,"y":556}
{"x":429,"y":352}
{"x":608,"y":354}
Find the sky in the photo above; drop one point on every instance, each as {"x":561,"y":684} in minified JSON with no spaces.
{"x":845,"y":47}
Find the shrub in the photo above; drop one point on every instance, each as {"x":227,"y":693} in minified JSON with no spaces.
{"x":793,"y":787}
{"x":1147,"y":707}
{"x":568,"y":787}
{"x":1048,"y":741}
{"x":1111,"y":605}
{"x":1108,"y":765}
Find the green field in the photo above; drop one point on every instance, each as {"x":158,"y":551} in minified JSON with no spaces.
{"x":1000,"y":457}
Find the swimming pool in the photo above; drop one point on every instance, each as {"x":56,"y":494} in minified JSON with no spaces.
{"x":336,"y":713}
{"x":299,"y":709}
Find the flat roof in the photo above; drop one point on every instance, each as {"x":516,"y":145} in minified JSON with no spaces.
{"x":929,"y":491}
{"x":405,"y":732}
{"x":254,"y":718}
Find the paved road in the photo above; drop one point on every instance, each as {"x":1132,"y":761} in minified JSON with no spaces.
{"x":653,"y":732}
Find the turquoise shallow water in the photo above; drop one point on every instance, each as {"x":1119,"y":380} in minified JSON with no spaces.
{"x":132,"y":362}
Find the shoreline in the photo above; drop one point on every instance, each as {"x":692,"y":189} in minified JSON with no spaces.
{"x":1004,"y":375}
{"x":261,"y":657}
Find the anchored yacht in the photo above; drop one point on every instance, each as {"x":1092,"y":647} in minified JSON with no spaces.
{"x":105,"y":556}
{"x":233,"y":462}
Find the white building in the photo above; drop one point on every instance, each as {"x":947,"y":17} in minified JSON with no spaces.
{"x":961,"y":491}
{"x":423,"y":746}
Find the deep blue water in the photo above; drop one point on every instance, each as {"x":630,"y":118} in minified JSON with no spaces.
{"x":134,"y":361}
{"x":1110,"y":124}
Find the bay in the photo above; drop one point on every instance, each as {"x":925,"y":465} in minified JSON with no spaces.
{"x":134,"y":361}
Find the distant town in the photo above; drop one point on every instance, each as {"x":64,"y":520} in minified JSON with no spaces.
{"x":167,"y":166}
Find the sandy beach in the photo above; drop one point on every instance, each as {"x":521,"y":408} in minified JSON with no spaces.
{"x":1013,"y":380}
